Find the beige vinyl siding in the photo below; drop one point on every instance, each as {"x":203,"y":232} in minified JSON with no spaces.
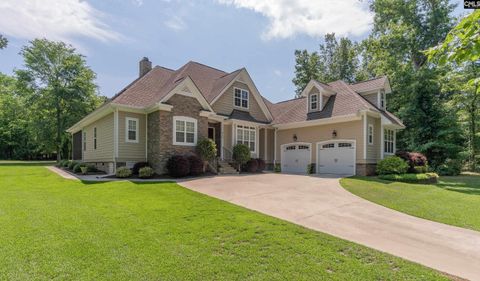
{"x":373,"y":151}
{"x":227,"y":136}
{"x":129,"y":151}
{"x":104,"y":151}
{"x":373,"y":98}
{"x":224,"y":104}
{"x":347,"y":130}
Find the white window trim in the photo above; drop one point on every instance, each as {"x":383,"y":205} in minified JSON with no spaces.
{"x":249,"y":128}
{"x":311,"y":103}
{"x":248,"y":98}
{"x":95,"y":139}
{"x":195,"y":132}
{"x":84,"y":141}
{"x":127,"y":119}
{"x":394,"y":136}
{"x":370,"y":126}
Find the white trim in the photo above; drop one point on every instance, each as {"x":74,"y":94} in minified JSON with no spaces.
{"x":368,"y":134}
{"x":137,"y":129}
{"x":195,"y":93}
{"x":195,"y":132}
{"x":241,"y":98}
{"x":365,"y":136}
{"x":393,"y":142}
{"x":115,"y":136}
{"x":382,"y":144}
{"x":159,"y":106}
{"x":295,"y":143}
{"x":221,"y":139}
{"x":209,"y":127}
{"x":338,"y":140}
{"x":275,"y":147}
{"x":320,"y":105}
{"x":146,"y":137}
{"x":339,"y":119}
{"x":317,"y":85}
{"x":249,"y":128}
{"x":265,"y":152}
{"x":95,"y":138}
{"x":310,"y":103}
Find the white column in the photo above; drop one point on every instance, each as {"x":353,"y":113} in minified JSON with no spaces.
{"x":382,"y":141}
{"x":265,"y":152}
{"x":221,"y":140}
{"x":365,"y":136}
{"x":275,"y":147}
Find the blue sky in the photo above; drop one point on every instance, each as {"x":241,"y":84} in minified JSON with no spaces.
{"x":114,"y":35}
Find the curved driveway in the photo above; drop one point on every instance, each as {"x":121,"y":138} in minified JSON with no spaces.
{"x":320,"y":203}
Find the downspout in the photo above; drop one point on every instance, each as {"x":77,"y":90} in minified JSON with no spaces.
{"x":115,"y":139}
{"x":275,"y":148}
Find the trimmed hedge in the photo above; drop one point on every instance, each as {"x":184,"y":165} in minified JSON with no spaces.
{"x":251,"y":166}
{"x":427,"y":178}
{"x":137,"y":166}
{"x":123,"y":172}
{"x":145,"y":173}
{"x":196,"y":165}
{"x":261,"y":165}
{"x":392,"y":165}
{"x":178,"y":166}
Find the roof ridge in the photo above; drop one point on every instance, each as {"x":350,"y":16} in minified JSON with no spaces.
{"x":166,"y":68}
{"x":226,"y":74}
{"x":202,"y":64}
{"x":129,"y":85}
{"x":376,"y":78}
{"x":288,"y":100}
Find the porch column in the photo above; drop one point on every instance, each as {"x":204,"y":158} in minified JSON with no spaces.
{"x":221,"y":140}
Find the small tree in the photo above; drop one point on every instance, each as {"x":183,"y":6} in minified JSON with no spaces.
{"x":241,"y":154}
{"x":207,"y":149}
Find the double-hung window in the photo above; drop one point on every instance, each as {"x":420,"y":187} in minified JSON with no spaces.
{"x":95,"y":138}
{"x":370,"y":134}
{"x":131,"y":130}
{"x":382,"y":100}
{"x":314,"y":102}
{"x":388,"y":141}
{"x":84,"y":141}
{"x":246,"y":135}
{"x":240,"y":98}
{"x":185,"y":131}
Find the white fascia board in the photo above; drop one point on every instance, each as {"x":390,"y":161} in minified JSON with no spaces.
{"x":310,"y":123}
{"x":92,"y":117}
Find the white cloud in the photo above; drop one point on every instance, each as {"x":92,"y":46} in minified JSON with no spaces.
{"x":53,"y":19}
{"x":311,"y":17}
{"x":277,"y":72}
{"x":176,"y":23}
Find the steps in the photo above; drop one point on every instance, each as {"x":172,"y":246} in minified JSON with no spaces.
{"x":226,"y":169}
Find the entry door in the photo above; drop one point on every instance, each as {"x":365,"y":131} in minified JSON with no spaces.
{"x":211,"y":133}
{"x":295,"y":158}
{"x":336,"y":157}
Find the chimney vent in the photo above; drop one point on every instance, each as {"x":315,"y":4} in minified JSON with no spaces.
{"x":144,"y":66}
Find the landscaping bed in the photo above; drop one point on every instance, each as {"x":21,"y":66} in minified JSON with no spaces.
{"x":426,"y":178}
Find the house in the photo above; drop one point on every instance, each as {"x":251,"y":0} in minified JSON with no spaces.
{"x":340,"y":128}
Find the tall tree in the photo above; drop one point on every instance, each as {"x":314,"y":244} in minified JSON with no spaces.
{"x":3,"y":42}
{"x":306,"y":69}
{"x":62,"y":89}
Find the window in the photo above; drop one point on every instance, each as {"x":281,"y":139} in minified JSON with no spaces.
{"x":240,"y":98}
{"x":290,"y":147}
{"x":313,"y":102}
{"x":344,"y":144}
{"x":303,"y":147}
{"x":328,"y":145}
{"x":370,"y":134}
{"x":185,"y":131}
{"x":95,"y":138}
{"x":382,"y":100}
{"x":131,"y":130}
{"x":246,"y":135}
{"x":389,"y":141}
{"x":84,"y":141}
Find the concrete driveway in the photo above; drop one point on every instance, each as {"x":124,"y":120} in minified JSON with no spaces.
{"x":320,"y":203}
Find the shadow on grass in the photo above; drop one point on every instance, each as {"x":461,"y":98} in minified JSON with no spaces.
{"x":87,"y":182}
{"x":26,"y":163}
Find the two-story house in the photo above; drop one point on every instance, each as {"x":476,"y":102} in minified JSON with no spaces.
{"x":340,"y":128}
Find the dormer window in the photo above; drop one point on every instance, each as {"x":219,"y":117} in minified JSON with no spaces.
{"x":382,"y":99}
{"x":313,"y":102}
{"x":240,"y":98}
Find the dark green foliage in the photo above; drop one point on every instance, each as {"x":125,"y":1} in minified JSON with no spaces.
{"x":310,"y":169}
{"x":277,"y":168}
{"x":241,"y":154}
{"x":145,"y":172}
{"x":196,"y":165}
{"x":3,"y":42}
{"x":451,"y":167}
{"x":206,"y":149}
{"x":66,"y":164}
{"x":392,"y":165}
{"x":425,"y":178}
{"x":90,"y":168}
{"x":251,"y":166}
{"x":420,"y":169}
{"x":72,"y":164}
{"x":178,"y":166}
{"x":123,"y":172}
{"x":137,"y":166}
{"x":261,"y":165}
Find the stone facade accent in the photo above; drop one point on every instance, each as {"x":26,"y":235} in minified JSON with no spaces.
{"x":160,"y":131}
{"x":366,"y":169}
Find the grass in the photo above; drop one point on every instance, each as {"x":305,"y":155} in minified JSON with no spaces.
{"x":58,"y":229}
{"x":411,"y":178}
{"x":453,"y":200}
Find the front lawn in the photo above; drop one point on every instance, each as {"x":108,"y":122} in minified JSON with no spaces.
{"x":57,"y":229}
{"x":454,"y":200}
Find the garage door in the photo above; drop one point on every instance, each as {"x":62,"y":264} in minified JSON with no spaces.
{"x":336,"y":157}
{"x":296,"y":157}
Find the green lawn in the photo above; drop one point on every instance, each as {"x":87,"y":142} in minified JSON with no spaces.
{"x":454,"y":200}
{"x":57,"y":229}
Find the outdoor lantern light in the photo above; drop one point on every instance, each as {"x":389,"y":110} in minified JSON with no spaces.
{"x":295,"y":137}
{"x":334,"y":134}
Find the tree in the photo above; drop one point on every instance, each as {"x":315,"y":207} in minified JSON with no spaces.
{"x":61,"y":88}
{"x":3,"y":42}
{"x":306,"y":69}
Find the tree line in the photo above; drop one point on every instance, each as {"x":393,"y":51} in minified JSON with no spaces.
{"x":435,"y":86}
{"x":54,"y":90}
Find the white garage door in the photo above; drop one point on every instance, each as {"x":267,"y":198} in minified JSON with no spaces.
{"x":296,"y":157}
{"x":336,"y":157}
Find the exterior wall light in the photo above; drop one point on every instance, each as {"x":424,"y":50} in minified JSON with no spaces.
{"x":334,"y":134}
{"x":295,"y":138}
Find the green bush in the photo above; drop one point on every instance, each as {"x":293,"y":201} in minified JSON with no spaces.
{"x":392,"y":165}
{"x":310,"y":169}
{"x":196,"y":165}
{"x":451,"y":167}
{"x":206,"y":149}
{"x":178,"y":166}
{"x":145,"y":172}
{"x":77,"y":168}
{"x":277,"y":168}
{"x":72,"y":164}
{"x":84,"y":170}
{"x":251,"y":166}
{"x":61,"y":163}
{"x":420,"y":169}
{"x":425,"y":178}
{"x":241,"y":154}
{"x":123,"y":172}
{"x":66,"y":163}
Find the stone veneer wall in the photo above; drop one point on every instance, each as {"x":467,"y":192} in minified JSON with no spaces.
{"x":366,"y":169}
{"x":160,"y":131}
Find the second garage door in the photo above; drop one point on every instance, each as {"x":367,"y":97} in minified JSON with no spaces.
{"x":336,"y":157}
{"x":296,"y":157}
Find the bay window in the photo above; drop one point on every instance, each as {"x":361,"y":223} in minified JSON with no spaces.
{"x":246,"y":135}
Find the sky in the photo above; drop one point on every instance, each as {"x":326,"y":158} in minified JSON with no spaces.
{"x":113,"y":35}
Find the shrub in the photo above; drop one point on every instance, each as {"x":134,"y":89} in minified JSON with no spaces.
{"x":277,"y":168}
{"x":123,"y":172}
{"x":137,"y":166}
{"x":310,"y":169}
{"x":196,"y":165}
{"x":425,"y":178}
{"x":84,"y":170}
{"x":413,"y":159}
{"x":420,"y":169}
{"x":77,"y":168}
{"x":392,"y":165}
{"x":206,"y":149}
{"x":451,"y":167}
{"x":261,"y":165}
{"x":66,"y":163}
{"x":72,"y":164}
{"x":61,"y":163}
{"x":178,"y":166}
{"x":145,"y":172}
{"x":241,"y":154}
{"x":251,"y":166}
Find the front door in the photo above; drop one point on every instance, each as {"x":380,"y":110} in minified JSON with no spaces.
{"x":211,"y":133}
